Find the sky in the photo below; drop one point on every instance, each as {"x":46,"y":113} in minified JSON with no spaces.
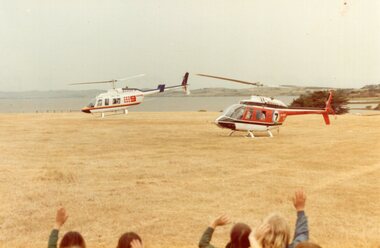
{"x":46,"y":45}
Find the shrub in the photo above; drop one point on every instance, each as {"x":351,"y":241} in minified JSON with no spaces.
{"x":317,"y":99}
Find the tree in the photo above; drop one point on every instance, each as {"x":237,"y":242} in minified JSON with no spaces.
{"x":317,"y":99}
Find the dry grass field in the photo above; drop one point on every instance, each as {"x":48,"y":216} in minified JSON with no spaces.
{"x":165,"y":175}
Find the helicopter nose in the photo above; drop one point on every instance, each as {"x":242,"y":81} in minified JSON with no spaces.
{"x":218,"y":119}
{"x":85,"y":110}
{"x":223,"y":122}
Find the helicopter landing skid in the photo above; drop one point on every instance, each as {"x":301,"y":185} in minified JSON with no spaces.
{"x":125,"y":112}
{"x":250,"y":135}
{"x":270,"y":134}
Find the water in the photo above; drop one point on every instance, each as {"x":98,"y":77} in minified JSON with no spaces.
{"x":150,"y":104}
{"x":41,"y":105}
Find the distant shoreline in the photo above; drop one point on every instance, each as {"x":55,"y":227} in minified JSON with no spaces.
{"x":150,"y":104}
{"x":370,"y":92}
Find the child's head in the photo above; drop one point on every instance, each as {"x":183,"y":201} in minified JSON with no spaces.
{"x":71,"y":240}
{"x":126,"y":239}
{"x":307,"y":245}
{"x":239,"y":236}
{"x":278,"y":234}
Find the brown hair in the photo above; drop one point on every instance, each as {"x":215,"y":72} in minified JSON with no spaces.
{"x":307,"y":245}
{"x":72,"y":239}
{"x":239,"y":236}
{"x":126,"y":239}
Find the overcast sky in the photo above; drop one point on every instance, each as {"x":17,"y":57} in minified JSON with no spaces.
{"x":45,"y":44}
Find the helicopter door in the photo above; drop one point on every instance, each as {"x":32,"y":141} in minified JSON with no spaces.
{"x":264,"y":115}
{"x":115,"y":101}
{"x":248,"y":114}
{"x":99,"y":103}
{"x":261,"y":115}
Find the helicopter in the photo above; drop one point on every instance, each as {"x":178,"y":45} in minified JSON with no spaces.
{"x":120,"y":99}
{"x":263,"y":114}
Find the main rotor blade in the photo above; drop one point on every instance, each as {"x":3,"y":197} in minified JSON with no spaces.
{"x":98,"y":82}
{"x":307,"y":86}
{"x":131,"y":77}
{"x":231,"y":79}
{"x":279,"y":86}
{"x":111,"y":81}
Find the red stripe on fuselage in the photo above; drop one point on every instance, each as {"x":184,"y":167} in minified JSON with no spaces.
{"x":88,"y":109}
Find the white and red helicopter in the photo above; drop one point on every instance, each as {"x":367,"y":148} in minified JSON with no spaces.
{"x":120,"y":99}
{"x":263,"y":113}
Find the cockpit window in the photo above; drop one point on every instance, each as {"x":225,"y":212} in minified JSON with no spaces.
{"x":235,"y":111}
{"x":100,"y":103}
{"x":92,"y":103}
{"x":238,"y":113}
{"x":228,"y":112}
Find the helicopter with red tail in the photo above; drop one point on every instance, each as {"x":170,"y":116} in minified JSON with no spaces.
{"x":263,"y":114}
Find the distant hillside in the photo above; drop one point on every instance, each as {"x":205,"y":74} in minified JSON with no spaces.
{"x":50,"y":94}
{"x":270,"y":91}
{"x":372,"y":87}
{"x":206,"y":92}
{"x":366,"y":91}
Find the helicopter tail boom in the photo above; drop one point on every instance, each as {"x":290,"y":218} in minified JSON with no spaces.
{"x":323,"y":111}
{"x":162,"y":87}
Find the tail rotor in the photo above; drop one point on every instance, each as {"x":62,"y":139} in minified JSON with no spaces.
{"x":185,"y":84}
{"x":329,"y":109}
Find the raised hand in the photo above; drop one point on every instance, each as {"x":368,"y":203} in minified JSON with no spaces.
{"x":257,"y":236}
{"x":61,"y":217}
{"x":136,"y":244}
{"x":220,"y":221}
{"x":261,"y":231}
{"x":299,"y":200}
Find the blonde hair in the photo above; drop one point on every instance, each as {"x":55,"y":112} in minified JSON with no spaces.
{"x":279,"y":232}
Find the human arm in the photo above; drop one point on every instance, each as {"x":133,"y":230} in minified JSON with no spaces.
{"x":301,"y":233}
{"x":53,"y":239}
{"x":207,"y":234}
{"x":60,"y":219}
